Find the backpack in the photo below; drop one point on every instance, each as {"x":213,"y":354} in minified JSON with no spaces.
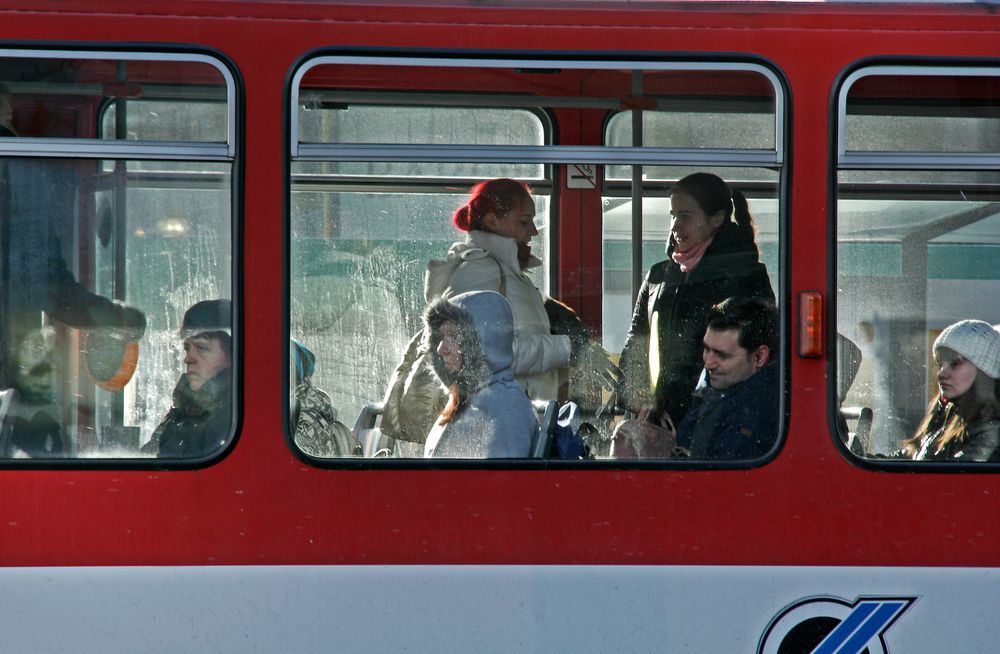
{"x":567,"y":434}
{"x":414,"y":398}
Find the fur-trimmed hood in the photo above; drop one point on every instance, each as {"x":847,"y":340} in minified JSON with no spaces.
{"x":485,"y":327}
{"x":497,"y":419}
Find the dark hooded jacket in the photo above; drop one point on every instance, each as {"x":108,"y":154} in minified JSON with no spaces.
{"x":678,"y":302}
{"x":29,"y":430}
{"x":498,"y":419}
{"x":740,"y":422}
{"x":199,"y":422}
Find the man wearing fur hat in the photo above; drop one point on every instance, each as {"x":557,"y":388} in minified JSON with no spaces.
{"x":200,"y":420}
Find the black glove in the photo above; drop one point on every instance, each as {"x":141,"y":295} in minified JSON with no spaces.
{"x":133,"y":323}
{"x":117,"y":316}
{"x":565,"y":322}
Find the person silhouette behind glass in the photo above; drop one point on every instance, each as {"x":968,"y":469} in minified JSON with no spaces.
{"x":36,"y":195}
{"x":30,"y":426}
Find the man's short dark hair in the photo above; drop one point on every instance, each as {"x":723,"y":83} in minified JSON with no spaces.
{"x":754,"y":318}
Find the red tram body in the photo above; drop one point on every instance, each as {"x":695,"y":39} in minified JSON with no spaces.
{"x":808,"y":522}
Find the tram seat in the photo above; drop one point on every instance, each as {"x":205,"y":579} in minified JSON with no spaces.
{"x":542,"y":441}
{"x":374,"y":443}
{"x":366,"y":429}
{"x":857,"y":440}
{"x":848,"y":364}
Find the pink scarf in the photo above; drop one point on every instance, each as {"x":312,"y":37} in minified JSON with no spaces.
{"x":689,"y":260}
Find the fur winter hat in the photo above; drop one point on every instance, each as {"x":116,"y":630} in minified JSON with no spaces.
{"x":975,"y":340}
{"x":485,"y":333}
{"x":208,"y":316}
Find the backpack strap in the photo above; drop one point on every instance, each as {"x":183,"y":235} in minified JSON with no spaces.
{"x":503,"y":276}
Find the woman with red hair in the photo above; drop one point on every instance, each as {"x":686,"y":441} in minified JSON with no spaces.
{"x":498,"y":222}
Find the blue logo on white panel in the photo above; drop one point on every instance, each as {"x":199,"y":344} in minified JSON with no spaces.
{"x":830,"y":625}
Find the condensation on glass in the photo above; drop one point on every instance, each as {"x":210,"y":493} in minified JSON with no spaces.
{"x":117,"y":180}
{"x":383,"y":151}
{"x":918,"y":249}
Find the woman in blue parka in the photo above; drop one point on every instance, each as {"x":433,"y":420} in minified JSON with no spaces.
{"x":488,"y":415}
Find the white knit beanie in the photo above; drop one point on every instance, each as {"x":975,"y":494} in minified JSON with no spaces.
{"x":975,"y":340}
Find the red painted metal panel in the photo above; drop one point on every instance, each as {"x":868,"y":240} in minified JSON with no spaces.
{"x":262,"y":505}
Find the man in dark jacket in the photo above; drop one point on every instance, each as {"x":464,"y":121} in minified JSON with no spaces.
{"x":735,"y":416}
{"x":200,"y":420}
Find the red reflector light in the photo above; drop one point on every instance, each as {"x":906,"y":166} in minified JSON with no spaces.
{"x":810,"y":324}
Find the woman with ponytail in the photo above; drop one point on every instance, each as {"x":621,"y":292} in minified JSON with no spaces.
{"x":712,"y":255}
{"x":499,"y":222}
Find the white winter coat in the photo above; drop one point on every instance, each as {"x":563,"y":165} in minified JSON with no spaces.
{"x":471,"y":265}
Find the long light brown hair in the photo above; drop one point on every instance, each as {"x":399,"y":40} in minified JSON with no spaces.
{"x":951,"y":419}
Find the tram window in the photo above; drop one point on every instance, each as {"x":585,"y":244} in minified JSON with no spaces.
{"x":385,"y":150}
{"x":326,"y":122}
{"x":742,"y":125}
{"x":918,"y":250}
{"x":331,"y":122}
{"x":752,"y":129}
{"x":114,"y":232}
{"x":923,"y":114}
{"x":167,"y":120}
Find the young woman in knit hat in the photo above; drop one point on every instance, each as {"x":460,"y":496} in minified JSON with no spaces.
{"x":963,"y":421}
